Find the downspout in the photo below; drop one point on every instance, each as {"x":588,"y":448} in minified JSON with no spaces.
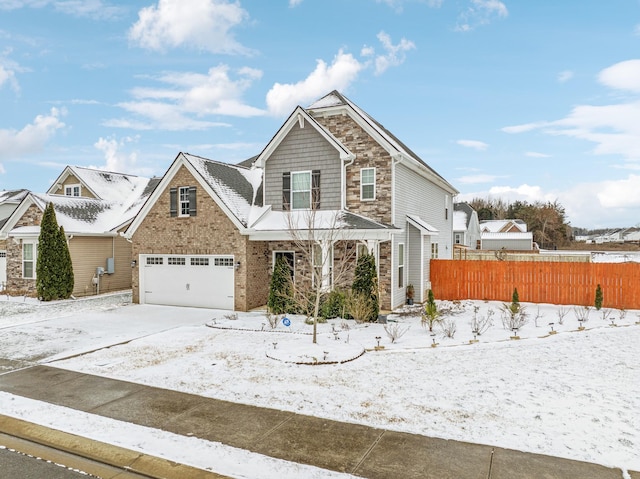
{"x":343,"y":196}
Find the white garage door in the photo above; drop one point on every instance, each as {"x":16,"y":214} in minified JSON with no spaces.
{"x":3,"y":268}
{"x":187,"y":280}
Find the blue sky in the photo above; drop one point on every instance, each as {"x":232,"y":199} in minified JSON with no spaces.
{"x":517,"y":99}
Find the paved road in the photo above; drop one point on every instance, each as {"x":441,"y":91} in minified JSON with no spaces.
{"x":24,"y":459}
{"x":16,"y":465}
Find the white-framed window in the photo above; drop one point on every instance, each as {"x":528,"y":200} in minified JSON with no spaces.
{"x":183,"y":201}
{"x":367,"y":184}
{"x":151,"y":260}
{"x":181,"y":261}
{"x":300,"y":190}
{"x":29,"y":254}
{"x":72,"y":190}
{"x":434,"y":250}
{"x":457,"y":237}
{"x":401,"y":265}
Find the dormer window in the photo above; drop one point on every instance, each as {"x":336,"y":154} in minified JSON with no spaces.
{"x":72,"y":190}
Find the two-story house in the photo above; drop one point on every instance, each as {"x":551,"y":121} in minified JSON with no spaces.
{"x":93,"y":207}
{"x":211,"y":232}
{"x":466,"y":227}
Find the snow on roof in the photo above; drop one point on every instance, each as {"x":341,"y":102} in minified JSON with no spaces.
{"x":494,"y":226}
{"x":12,"y":196}
{"x":314,"y":219}
{"x":108,"y":185}
{"x":236,"y":186}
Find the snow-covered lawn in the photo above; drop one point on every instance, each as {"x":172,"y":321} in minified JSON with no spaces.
{"x":574,"y":394}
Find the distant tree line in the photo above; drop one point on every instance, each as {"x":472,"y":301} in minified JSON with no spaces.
{"x":547,"y":221}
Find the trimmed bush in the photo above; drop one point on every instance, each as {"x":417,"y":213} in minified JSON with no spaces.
{"x":365,"y":284}
{"x":599,"y":298}
{"x":280,"y":298}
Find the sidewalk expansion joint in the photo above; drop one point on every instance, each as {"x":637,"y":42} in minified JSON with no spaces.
{"x":368,"y":451}
{"x":261,"y":438}
{"x":493,"y":450}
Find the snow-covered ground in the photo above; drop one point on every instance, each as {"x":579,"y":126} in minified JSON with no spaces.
{"x":573,"y":394}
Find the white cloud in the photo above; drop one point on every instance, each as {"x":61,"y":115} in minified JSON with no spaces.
{"x":282,"y":98}
{"x":185,"y":95}
{"x":200,"y":24}
{"x":535,"y":154}
{"x":32,"y":137}
{"x":294,"y":3}
{"x":475,"y":144}
{"x":8,"y":76}
{"x":480,"y":12}
{"x":477,"y":179}
{"x":636,"y":30}
{"x":622,"y":76}
{"x":565,"y":76}
{"x":2,"y":170}
{"x":115,"y":159}
{"x":394,"y":54}
{"x":524,"y":127}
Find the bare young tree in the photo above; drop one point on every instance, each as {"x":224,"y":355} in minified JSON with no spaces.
{"x":325,"y":257}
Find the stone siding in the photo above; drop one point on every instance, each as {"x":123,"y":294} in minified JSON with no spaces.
{"x":368,"y":153}
{"x":15,"y":282}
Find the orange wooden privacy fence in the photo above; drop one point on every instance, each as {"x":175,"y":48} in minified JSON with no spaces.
{"x":538,"y":282}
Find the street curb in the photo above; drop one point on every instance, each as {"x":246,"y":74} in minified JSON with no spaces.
{"x":115,"y":456}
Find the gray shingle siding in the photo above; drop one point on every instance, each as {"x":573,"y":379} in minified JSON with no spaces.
{"x":304,"y":149}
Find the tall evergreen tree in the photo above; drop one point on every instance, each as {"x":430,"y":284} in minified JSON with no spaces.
{"x":54,"y":270}
{"x":365,"y":282}
{"x":280,"y":298}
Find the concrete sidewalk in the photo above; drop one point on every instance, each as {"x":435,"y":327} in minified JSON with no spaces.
{"x":344,"y":447}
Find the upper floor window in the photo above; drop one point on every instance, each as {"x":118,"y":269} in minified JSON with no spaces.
{"x":72,"y":190}
{"x":29,"y":260}
{"x":368,"y":184}
{"x":301,"y":190}
{"x":182,"y":201}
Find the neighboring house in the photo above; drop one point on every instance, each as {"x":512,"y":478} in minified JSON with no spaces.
{"x":466,"y":227}
{"x":210,"y":232}
{"x":509,"y":235}
{"x":9,"y":201}
{"x":93,"y":207}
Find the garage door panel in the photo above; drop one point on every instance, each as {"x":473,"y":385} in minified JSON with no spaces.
{"x":199,"y":281}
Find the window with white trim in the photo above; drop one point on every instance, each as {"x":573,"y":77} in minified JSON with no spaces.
{"x":176,"y":261}
{"x":154,"y":260}
{"x":322,"y":265}
{"x":72,"y":190}
{"x":29,"y":252}
{"x":458,"y":238}
{"x":223,"y":261}
{"x":434,"y":250}
{"x":183,"y":195}
{"x":300,"y":190}
{"x":367,"y":184}
{"x":401,"y":265}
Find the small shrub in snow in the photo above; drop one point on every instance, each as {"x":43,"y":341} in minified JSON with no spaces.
{"x":537,"y":317}
{"x":514,"y":316}
{"x":273,"y":320}
{"x":561,"y":313}
{"x":448,"y":327}
{"x":430,"y":314}
{"x":623,"y":314}
{"x":360,"y":306}
{"x":395,"y":331}
{"x":582,"y":313}
{"x":605,"y":313}
{"x":481,"y":323}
